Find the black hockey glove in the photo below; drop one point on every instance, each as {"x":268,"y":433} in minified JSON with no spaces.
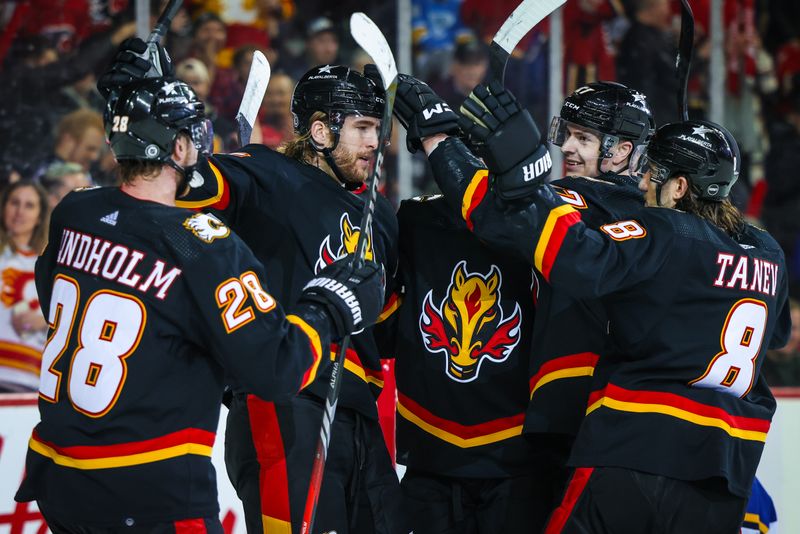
{"x":422,"y":112}
{"x":353,"y":297}
{"x":505,"y":136}
{"x":132,"y":63}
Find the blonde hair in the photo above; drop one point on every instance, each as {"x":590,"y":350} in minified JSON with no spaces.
{"x":190,"y":66}
{"x":74,"y":124}
{"x":300,"y":148}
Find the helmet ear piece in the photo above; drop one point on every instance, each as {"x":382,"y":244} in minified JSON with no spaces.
{"x":143,"y":122}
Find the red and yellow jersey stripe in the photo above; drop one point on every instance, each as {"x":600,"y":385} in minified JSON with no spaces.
{"x":476,"y":191}
{"x":571,"y":366}
{"x":180,"y":443}
{"x":219,"y":197}
{"x":392,"y":305}
{"x":316,"y":348}
{"x":353,"y":364}
{"x":672,"y":405}
{"x":559,"y":220}
{"x":464,"y":436}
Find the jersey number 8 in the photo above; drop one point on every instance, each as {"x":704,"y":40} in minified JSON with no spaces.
{"x":732,"y":370}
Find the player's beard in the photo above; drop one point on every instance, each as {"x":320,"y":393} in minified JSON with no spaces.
{"x":351,"y":165}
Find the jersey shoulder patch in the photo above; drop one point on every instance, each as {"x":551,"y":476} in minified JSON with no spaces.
{"x":206,"y":227}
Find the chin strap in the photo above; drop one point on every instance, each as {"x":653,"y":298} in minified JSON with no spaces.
{"x":185,"y":172}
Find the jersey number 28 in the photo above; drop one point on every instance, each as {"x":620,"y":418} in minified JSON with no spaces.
{"x":109,"y":330}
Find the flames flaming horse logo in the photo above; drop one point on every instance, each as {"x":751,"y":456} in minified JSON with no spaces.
{"x":469,"y":325}
{"x":348,"y":239}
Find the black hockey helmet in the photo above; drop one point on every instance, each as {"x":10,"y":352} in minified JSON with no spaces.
{"x":614,"y":110}
{"x":338,"y":91}
{"x":143,"y":122}
{"x":704,"y":152}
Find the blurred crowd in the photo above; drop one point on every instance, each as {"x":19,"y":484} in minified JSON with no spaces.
{"x":51,"y":52}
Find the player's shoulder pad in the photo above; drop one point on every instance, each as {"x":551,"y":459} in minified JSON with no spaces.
{"x":252,"y":155}
{"x":756,"y":237}
{"x":77,"y":197}
{"x":427,"y":210}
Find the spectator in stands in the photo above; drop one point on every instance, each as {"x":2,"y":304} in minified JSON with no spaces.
{"x":228,"y":87}
{"x":33,"y":71}
{"x":436,"y":29}
{"x":276,"y":117}
{"x":782,"y":199}
{"x":23,"y":235}
{"x":194,"y":72}
{"x":80,"y":138}
{"x":62,"y":178}
{"x":322,"y":48}
{"x":782,"y":366}
{"x":646,"y":58}
{"x":469,"y":66}
{"x":209,"y":34}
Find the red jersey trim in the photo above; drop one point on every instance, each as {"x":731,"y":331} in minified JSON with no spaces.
{"x":571,"y":366}
{"x":555,"y":229}
{"x":670,"y":404}
{"x":464,"y":436}
{"x":219,"y":200}
{"x":476,"y":190}
{"x":20,"y":357}
{"x":316,"y":348}
{"x":180,"y":443}
{"x":391,"y":306}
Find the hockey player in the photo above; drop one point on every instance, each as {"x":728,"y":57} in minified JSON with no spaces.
{"x":299,"y":210}
{"x":461,"y":338}
{"x":149,"y":307}
{"x":600,"y":127}
{"x":677,"y":420}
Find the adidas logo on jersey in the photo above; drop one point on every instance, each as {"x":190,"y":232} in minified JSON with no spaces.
{"x":111,"y":218}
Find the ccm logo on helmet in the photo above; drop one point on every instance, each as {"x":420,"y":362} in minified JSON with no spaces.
{"x":340,"y":291}
{"x":435,"y":110}
{"x":531,"y":171}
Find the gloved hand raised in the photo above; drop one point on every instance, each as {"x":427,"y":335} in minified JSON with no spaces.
{"x":132,"y":62}
{"x":352,"y":296}
{"x":422,"y":112}
{"x":505,"y":136}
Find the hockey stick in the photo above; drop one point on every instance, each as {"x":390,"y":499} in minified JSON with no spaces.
{"x":371,"y":39}
{"x":257,"y":82}
{"x":684,"y":59}
{"x":159,"y":31}
{"x":526,"y":15}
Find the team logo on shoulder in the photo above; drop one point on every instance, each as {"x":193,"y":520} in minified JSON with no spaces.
{"x":348,"y":239}
{"x":206,"y":227}
{"x":469,"y":326}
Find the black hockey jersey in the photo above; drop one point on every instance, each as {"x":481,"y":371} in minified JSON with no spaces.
{"x":462,"y":345}
{"x":149,"y":306}
{"x":297,"y":219}
{"x":693,"y":311}
{"x":569,"y":334}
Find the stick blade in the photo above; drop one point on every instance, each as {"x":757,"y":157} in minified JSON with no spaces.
{"x":526,"y":15}
{"x":257,"y":82}
{"x":369,"y":37}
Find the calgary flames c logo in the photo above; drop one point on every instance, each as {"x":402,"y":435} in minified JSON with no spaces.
{"x":469,"y":325}
{"x":348,"y":239}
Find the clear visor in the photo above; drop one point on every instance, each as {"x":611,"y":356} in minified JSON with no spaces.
{"x":559,"y":133}
{"x":641,"y":164}
{"x":202,"y":134}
